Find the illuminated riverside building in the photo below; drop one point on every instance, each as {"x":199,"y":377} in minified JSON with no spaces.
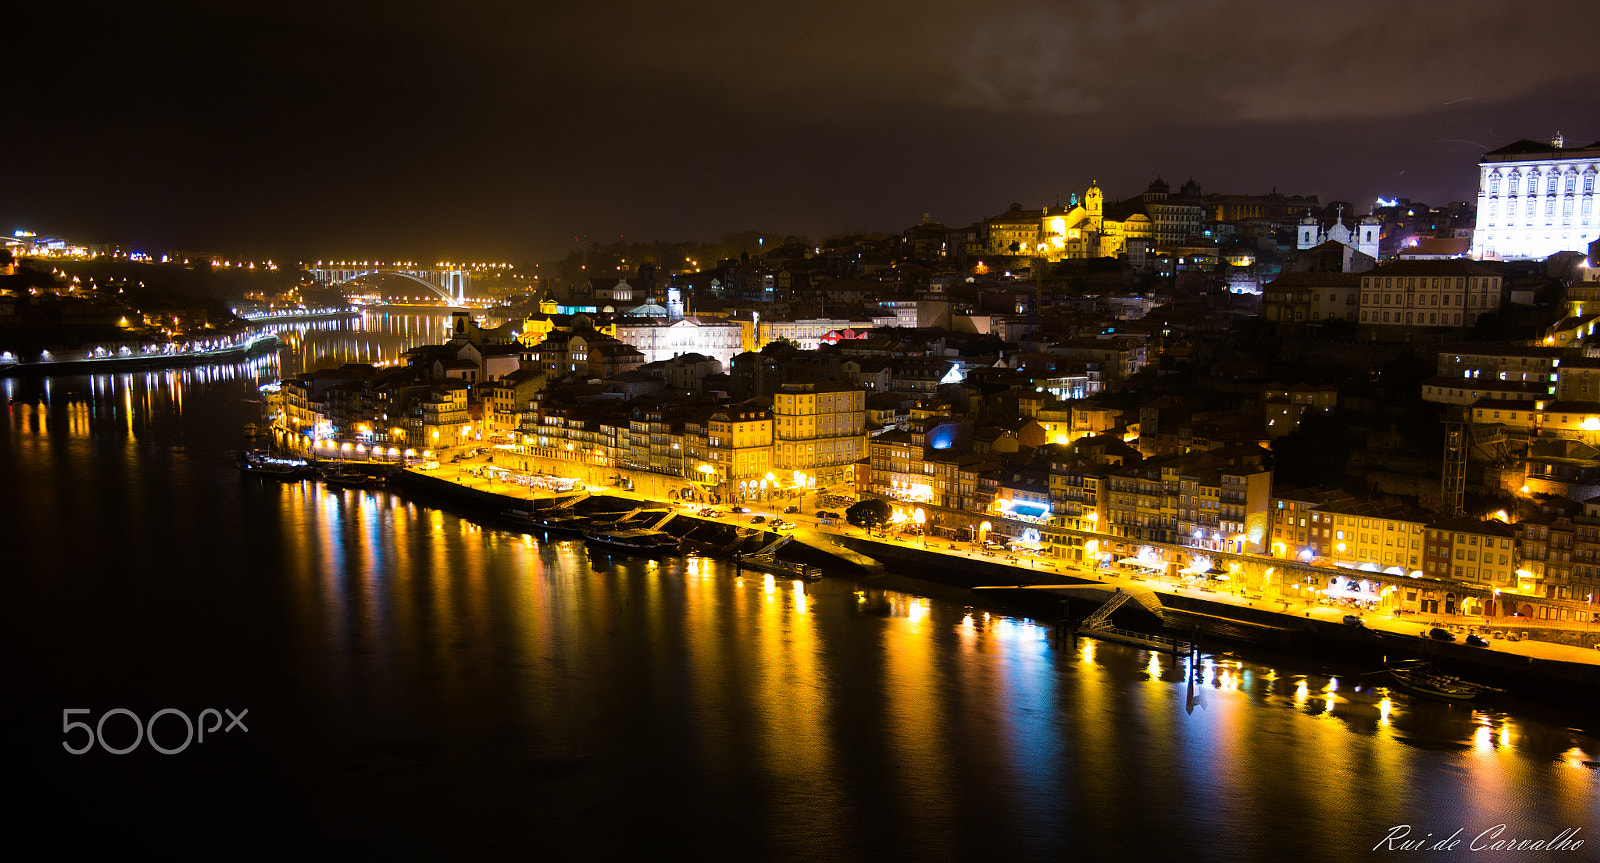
{"x":735,"y":448}
{"x":440,"y":418}
{"x":1478,"y":552}
{"x":1561,"y":557}
{"x":1356,"y":534}
{"x":930,"y":462}
{"x":1216,"y":499}
{"x":1536,"y":199}
{"x":819,"y":428}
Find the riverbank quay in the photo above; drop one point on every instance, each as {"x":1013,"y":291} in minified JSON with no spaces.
{"x":85,"y":363}
{"x":290,"y":316}
{"x":1560,"y":672}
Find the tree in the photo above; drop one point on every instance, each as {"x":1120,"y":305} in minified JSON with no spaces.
{"x":868,"y":513}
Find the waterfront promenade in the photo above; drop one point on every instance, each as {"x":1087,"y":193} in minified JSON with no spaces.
{"x":486,"y":472}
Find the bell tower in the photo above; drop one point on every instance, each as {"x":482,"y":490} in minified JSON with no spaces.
{"x":1094,"y":206}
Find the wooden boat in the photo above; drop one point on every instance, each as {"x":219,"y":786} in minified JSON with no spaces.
{"x":563,"y":523}
{"x":1423,"y":679}
{"x":637,"y":540}
{"x":260,"y":463}
{"x":769,"y":563}
{"x":347,"y":476}
{"x":557,"y":521}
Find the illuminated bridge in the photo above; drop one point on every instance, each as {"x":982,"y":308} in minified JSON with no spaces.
{"x":450,"y":285}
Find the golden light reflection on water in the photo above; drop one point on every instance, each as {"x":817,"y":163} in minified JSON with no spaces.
{"x":916,"y":703}
{"x":754,"y":659}
{"x":797,"y":745}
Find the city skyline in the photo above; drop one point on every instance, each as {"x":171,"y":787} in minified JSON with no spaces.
{"x":507,"y":133}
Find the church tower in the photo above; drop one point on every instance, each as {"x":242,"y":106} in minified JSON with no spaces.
{"x":1094,"y":206}
{"x":548,"y":305}
{"x":1309,"y":233}
{"x":1368,"y":233}
{"x":674,"y":303}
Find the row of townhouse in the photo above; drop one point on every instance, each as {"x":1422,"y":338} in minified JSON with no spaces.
{"x":359,"y":405}
{"x":1542,"y":569}
{"x":1402,"y":294}
{"x":1220,"y":502}
{"x":812,"y":433}
{"x":1466,"y":373}
{"x":1216,"y":499}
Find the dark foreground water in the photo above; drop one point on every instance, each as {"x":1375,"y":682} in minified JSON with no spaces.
{"x":421,"y":687}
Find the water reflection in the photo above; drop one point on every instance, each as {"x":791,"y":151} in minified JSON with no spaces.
{"x":618,"y":697}
{"x":379,"y":336}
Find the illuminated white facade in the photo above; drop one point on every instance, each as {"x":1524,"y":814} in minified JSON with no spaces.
{"x":661,"y":339}
{"x":1536,"y":199}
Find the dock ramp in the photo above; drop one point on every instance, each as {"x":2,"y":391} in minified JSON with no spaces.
{"x":820,"y":543}
{"x":772,"y":547}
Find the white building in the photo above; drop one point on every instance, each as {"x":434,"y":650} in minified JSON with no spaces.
{"x":661,"y":339}
{"x":1535,"y":200}
{"x":1362,"y":238}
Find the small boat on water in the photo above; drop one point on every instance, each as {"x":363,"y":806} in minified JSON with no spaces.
{"x":260,"y":463}
{"x":637,"y":540}
{"x":563,"y":523}
{"x":559,"y":520}
{"x":1422,"y":678}
{"x":340,"y":475}
{"x":770,"y":563}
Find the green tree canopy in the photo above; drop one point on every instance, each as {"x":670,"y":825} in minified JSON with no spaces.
{"x":868,"y":513}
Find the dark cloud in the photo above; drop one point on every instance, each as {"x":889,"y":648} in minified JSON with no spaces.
{"x":503,"y":129}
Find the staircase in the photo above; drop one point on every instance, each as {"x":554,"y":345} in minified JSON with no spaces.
{"x":1103,"y":613}
{"x":777,"y":544}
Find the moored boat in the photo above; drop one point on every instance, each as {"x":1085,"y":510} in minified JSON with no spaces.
{"x":347,"y":476}
{"x":563,"y":523}
{"x":263,"y":464}
{"x":637,"y":540}
{"x":769,"y":563}
{"x":1423,"y":679}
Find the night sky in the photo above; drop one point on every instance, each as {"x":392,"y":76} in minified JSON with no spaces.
{"x":502,"y":130}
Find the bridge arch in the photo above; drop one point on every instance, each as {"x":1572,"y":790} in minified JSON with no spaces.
{"x":440,"y":291}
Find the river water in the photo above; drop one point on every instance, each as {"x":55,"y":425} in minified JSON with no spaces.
{"x":421,"y":686}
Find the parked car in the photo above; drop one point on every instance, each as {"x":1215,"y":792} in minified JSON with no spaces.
{"x":1439,"y":634}
{"x":1475,"y":640}
{"x":757,"y":519}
